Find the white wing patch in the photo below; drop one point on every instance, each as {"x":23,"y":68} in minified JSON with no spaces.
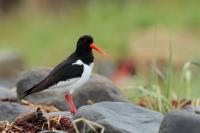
{"x":78,"y":62}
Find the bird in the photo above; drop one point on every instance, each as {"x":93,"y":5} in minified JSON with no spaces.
{"x":71,"y":73}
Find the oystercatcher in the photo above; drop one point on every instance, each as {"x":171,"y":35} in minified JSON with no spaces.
{"x":72,"y":72}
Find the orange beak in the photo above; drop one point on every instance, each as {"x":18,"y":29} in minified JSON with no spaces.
{"x":93,"y":46}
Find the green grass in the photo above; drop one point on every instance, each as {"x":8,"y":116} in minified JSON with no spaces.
{"x":111,"y":23}
{"x":160,"y":93}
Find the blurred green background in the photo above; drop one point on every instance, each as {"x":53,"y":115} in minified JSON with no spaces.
{"x":46,"y":31}
{"x":50,"y":28}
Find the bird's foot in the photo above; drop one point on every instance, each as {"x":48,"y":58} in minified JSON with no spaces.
{"x":70,"y":103}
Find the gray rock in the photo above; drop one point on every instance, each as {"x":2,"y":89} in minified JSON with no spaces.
{"x":105,"y":67}
{"x":7,"y":94}
{"x":180,"y":122}
{"x":119,"y":117}
{"x":97,"y":89}
{"x":8,"y":83}
{"x":63,"y":113}
{"x":9,"y":111}
{"x":192,"y":109}
{"x":10,"y":64}
{"x":29,"y":78}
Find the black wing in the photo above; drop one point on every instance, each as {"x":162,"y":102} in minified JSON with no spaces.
{"x":64,"y":71}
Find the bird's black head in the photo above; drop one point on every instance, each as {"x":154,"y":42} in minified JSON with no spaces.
{"x":85,"y":44}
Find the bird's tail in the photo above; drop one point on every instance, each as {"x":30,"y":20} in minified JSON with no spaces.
{"x":27,"y":92}
{"x":36,"y":88}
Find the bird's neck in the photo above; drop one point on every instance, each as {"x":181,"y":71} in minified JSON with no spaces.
{"x":87,"y":58}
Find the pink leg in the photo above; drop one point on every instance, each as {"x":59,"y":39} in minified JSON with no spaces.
{"x":70,"y":103}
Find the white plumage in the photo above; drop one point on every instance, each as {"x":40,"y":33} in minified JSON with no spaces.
{"x":73,"y":83}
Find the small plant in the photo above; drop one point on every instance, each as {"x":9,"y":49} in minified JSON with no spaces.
{"x":161,"y":94}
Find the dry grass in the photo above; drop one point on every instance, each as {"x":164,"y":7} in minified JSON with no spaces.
{"x":37,"y":121}
{"x":45,"y":108}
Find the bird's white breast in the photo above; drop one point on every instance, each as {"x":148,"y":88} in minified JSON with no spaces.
{"x":73,"y":83}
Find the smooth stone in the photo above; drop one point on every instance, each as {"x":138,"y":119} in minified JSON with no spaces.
{"x":105,"y":67}
{"x":11,"y":63}
{"x":63,"y":114}
{"x":192,"y":109}
{"x":9,"y":111}
{"x":7,"y":94}
{"x":8,"y":83}
{"x":180,"y":122}
{"x":29,"y":78}
{"x":97,"y":89}
{"x":120,"y":117}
